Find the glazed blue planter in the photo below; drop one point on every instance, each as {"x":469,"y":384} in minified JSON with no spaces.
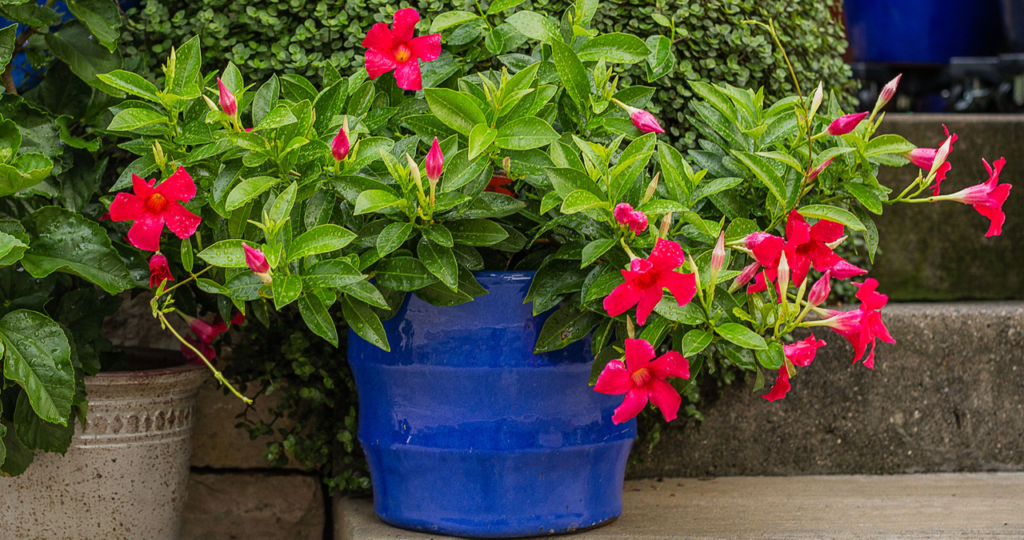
{"x":468,"y":433}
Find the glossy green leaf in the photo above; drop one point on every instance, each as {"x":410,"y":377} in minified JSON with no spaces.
{"x":741,"y":335}
{"x":286,"y":288}
{"x":476,"y":232}
{"x":225,"y":254}
{"x":565,"y":326}
{"x":456,"y":110}
{"x":695,"y":341}
{"x":392,"y":237}
{"x":403,"y":274}
{"x":364,"y":322}
{"x":317,"y":318}
{"x":374,"y":200}
{"x":572,"y":73}
{"x":38,"y":434}
{"x":245,"y":191}
{"x":439,"y":234}
{"x":832,"y":213}
{"x":103,"y":18}
{"x":450,"y":19}
{"x":131,"y":83}
{"x":7,"y":36}
{"x":535,"y":26}
{"x":765,"y":173}
{"x":595,"y":249}
{"x":320,"y":239}
{"x":67,"y":242}
{"x":615,"y":48}
{"x":480,"y":139}
{"x":773,"y":357}
{"x":439,"y":261}
{"x":525,"y":133}
{"x":580,"y":200}
{"x":38,"y":357}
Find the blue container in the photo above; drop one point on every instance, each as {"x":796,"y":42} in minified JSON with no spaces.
{"x":922,"y":31}
{"x":468,"y":433}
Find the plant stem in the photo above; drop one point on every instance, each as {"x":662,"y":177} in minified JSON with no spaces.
{"x":216,"y":373}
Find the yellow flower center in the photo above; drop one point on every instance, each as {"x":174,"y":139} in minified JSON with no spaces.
{"x":641,"y":377}
{"x":155,"y":203}
{"x":402,"y":53}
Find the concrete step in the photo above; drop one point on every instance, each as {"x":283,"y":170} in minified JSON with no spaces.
{"x":926,"y":506}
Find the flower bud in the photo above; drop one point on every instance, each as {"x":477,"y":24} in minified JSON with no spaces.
{"x":666,"y":224}
{"x":940,"y":155}
{"x":718,"y":254}
{"x":414,"y":170}
{"x":159,"y":271}
{"x":651,"y":188}
{"x":819,"y":94}
{"x":257,"y":262}
{"x":340,"y":145}
{"x":644,"y":121}
{"x":817,"y":170}
{"x":820,"y":290}
{"x":845,"y":124}
{"x":435,"y":163}
{"x":783,"y":274}
{"x":887,"y":92}
{"x":227,"y":99}
{"x":745,"y":276}
{"x":635,"y":220}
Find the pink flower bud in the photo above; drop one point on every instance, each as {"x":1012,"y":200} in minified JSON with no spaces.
{"x":922,"y":157}
{"x":718,"y":254}
{"x":339,"y":146}
{"x":634,"y":219}
{"x":817,"y":170}
{"x":206,"y":331}
{"x":227,"y":99}
{"x":820,"y":291}
{"x":435,"y":162}
{"x":746,"y":275}
{"x":846,"y":124}
{"x":257,"y":262}
{"x":783,"y":271}
{"x":645,"y":121}
{"x":888,"y":92}
{"x":159,"y":271}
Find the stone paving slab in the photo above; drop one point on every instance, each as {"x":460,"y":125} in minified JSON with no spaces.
{"x":911,"y":507}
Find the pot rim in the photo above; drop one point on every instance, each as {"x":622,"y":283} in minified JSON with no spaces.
{"x":186,"y":368}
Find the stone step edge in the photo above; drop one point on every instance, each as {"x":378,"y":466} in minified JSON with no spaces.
{"x":921,"y":506}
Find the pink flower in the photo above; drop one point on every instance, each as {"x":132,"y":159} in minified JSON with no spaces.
{"x":204,"y":348}
{"x":821,"y":289}
{"x":435,"y":162}
{"x":642,"y":380}
{"x":925,"y":158}
{"x":647,"y":277}
{"x":227,"y":99}
{"x":635,"y":220}
{"x":644,"y":121}
{"x":339,"y":146}
{"x":861,"y":326}
{"x":888,"y":92}
{"x":745,"y":276}
{"x":497,"y":184}
{"x":845,"y":124}
{"x":238,"y":319}
{"x":396,"y":49}
{"x":987,"y":198}
{"x":159,"y":271}
{"x":151,"y":207}
{"x":781,"y":385}
{"x":257,"y":262}
{"x":802,"y":352}
{"x":817,"y":170}
{"x":205,"y":331}
{"x":718,"y":253}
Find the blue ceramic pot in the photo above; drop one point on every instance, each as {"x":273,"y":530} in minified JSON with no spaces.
{"x":468,"y":433}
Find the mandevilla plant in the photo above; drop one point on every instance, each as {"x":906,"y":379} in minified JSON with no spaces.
{"x":411,"y":174}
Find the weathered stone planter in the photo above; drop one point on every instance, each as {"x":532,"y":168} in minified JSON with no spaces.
{"x":125,"y":475}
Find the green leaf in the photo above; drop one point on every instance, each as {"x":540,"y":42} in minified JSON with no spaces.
{"x":30,"y":13}
{"x":364,"y":291}
{"x":449,"y":19}
{"x":247,"y":190}
{"x":103,"y":18}
{"x":27,"y":170}
{"x":566,"y":325}
{"x":480,"y":139}
{"x":18,"y":456}
{"x":374,"y":200}
{"x":279,"y":116}
{"x":765,"y":173}
{"x":38,"y":358}
{"x":454,"y":109}
{"x":225,"y":254}
{"x":364,"y":322}
{"x":38,"y":434}
{"x":832,"y":213}
{"x":741,"y":335}
{"x":615,"y":48}
{"x":131,"y":83}
{"x":86,"y":57}
{"x":403,"y":274}
{"x":460,"y":170}
{"x":331,"y":274}
{"x":283,"y":204}
{"x":662,"y":59}
{"x":866,"y":195}
{"x":187,"y":257}
{"x":595,"y":249}
{"x":135,"y":119}
{"x":887,"y":144}
{"x":525,"y":133}
{"x":439,"y":261}
{"x":773,"y":357}
{"x":266,"y":99}
{"x":318,"y":319}
{"x":392,"y":237}
{"x":320,"y":239}
{"x":7,"y":36}
{"x":67,"y":242}
{"x":535,"y":26}
{"x":688,"y":314}
{"x":497,"y":6}
{"x":870,"y":233}
{"x":739,"y":229}
{"x":580,"y":200}
{"x":476,"y":232}
{"x":286,"y":288}
{"x":572,"y":73}
{"x":695,"y":341}
{"x":439,"y":234}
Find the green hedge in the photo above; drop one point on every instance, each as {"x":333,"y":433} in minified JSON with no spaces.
{"x":712,"y":44}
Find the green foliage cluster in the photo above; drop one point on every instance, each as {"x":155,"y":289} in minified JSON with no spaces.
{"x":711,"y":43}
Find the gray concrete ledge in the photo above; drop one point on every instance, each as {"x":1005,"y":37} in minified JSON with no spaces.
{"x":947,"y":397}
{"x":927,"y":506}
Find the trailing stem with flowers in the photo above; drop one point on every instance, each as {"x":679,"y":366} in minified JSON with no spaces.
{"x":409,"y":175}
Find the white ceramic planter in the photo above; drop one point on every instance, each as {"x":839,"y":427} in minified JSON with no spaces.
{"x":125,"y":475}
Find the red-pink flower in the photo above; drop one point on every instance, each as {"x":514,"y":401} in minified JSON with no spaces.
{"x":497,"y":185}
{"x":205,"y":331}
{"x":846,"y":123}
{"x":802,"y":352}
{"x":435,"y":162}
{"x":227,"y":99}
{"x":888,"y":92}
{"x":339,"y":145}
{"x":204,"y":348}
{"x":257,"y":262}
{"x":642,"y":380}
{"x":781,"y":385}
{"x":821,"y":289}
{"x":238,"y":319}
{"x":863,"y":325}
{"x":644,"y":121}
{"x":817,"y":170}
{"x":987,"y":198}
{"x":647,"y":277}
{"x":151,"y":207}
{"x":159,"y":271}
{"x":635,"y":220}
{"x":396,"y":49}
{"x":925,"y":158}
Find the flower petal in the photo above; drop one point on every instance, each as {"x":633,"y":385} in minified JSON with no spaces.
{"x":665,"y":398}
{"x":781,"y":386}
{"x":682,"y":286}
{"x":180,"y":221}
{"x":126,"y":207}
{"x":378,"y":62}
{"x":826,"y":231}
{"x":145,"y":232}
{"x":648,"y":299}
{"x":666,"y":255}
{"x":767,"y":249}
{"x":614,"y":379}
{"x":408,"y":76}
{"x":638,"y":354}
{"x":426,"y":48}
{"x":671,"y":364}
{"x":379,"y":37}
{"x":797,"y":231}
{"x":179,"y":187}
{"x":621,"y":299}
{"x":404,"y":25}
{"x":634,"y":402}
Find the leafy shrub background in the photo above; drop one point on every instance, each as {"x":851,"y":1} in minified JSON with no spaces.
{"x":306,"y":378}
{"x":712,"y":43}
